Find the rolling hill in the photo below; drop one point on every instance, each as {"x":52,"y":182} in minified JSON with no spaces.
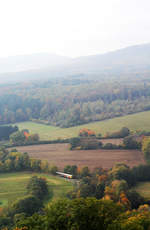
{"x":130,"y":60}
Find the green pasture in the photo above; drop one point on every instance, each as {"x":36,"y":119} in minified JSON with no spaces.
{"x":13,"y":186}
{"x":143,"y":189}
{"x":138,"y":121}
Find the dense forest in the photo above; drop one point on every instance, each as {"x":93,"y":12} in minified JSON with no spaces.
{"x":74,"y":100}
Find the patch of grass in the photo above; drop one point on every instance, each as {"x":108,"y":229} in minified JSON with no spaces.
{"x":3,"y":202}
{"x":138,"y":121}
{"x":143,"y":189}
{"x":13,"y":186}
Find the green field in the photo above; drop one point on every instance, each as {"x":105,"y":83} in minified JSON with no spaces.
{"x":143,"y":189}
{"x":13,"y":186}
{"x":138,"y":121}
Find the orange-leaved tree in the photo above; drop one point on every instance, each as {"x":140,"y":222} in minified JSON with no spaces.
{"x":86,"y":132}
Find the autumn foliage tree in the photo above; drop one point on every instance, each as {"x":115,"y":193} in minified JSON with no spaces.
{"x":86,"y":133}
{"x":23,"y":137}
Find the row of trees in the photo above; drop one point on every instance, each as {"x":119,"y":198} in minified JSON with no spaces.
{"x":11,"y":161}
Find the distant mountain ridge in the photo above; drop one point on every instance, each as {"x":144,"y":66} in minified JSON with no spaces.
{"x":132,"y":58}
{"x":128,"y":60}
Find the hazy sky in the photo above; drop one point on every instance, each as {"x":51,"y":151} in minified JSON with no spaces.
{"x":72,"y":27}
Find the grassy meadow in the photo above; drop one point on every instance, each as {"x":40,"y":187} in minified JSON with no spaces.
{"x":143,"y":188}
{"x":138,"y":121}
{"x":13,"y":186}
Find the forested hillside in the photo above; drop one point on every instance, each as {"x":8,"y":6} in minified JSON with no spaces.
{"x":79,"y":90}
{"x":74,"y":100}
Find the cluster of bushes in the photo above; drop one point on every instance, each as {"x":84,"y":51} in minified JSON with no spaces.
{"x":23,"y":137}
{"x":86,"y":144}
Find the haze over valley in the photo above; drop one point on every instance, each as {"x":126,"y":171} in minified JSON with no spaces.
{"x":75,"y":115}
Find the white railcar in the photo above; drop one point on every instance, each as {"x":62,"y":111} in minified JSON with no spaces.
{"x":65,"y":175}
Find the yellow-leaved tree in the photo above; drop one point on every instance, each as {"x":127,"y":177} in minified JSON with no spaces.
{"x":146,"y":148}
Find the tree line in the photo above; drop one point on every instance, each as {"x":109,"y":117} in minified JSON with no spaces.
{"x":14,"y":161}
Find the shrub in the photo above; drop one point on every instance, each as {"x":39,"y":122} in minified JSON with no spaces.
{"x":28,"y":205}
{"x":124,"y":132}
{"x":130,"y":143}
{"x":111,"y":146}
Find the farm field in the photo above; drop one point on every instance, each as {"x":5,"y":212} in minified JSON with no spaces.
{"x":138,"y":121}
{"x":143,"y":189}
{"x":13,"y":186}
{"x":60,"y":155}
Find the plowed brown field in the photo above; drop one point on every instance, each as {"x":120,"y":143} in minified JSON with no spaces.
{"x":60,"y":155}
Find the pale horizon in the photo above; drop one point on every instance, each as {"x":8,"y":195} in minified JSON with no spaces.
{"x":74,"y":57}
{"x":72,"y":28}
